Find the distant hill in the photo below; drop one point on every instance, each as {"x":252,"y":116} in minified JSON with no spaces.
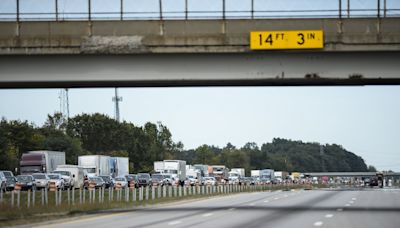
{"x":280,"y":154}
{"x":311,"y":157}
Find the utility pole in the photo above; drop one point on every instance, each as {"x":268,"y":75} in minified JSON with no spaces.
{"x":321,"y":153}
{"x":64,"y":102}
{"x":116,"y":99}
{"x":67,"y":95}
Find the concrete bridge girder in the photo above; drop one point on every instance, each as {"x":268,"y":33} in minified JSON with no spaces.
{"x":192,"y":36}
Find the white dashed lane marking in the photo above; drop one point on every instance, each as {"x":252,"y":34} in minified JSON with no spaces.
{"x":174,"y":223}
{"x":319,"y":223}
{"x":329,"y":216}
{"x":340,"y":209}
{"x":207,"y":214}
{"x":347,"y":205}
{"x":266,"y":201}
{"x":353,"y":198}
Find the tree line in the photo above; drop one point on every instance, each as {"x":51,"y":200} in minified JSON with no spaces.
{"x":99,"y":134}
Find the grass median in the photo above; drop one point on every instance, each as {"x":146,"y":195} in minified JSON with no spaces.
{"x":40,"y":209}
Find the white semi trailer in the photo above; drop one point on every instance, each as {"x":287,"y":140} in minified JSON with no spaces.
{"x":42,"y":161}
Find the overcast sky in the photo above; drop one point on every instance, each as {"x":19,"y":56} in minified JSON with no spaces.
{"x":365,"y":120}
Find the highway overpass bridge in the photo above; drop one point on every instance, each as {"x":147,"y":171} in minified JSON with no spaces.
{"x":354,"y":51}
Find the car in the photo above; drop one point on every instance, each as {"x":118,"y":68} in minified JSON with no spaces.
{"x":374,"y":182}
{"x":3,"y":182}
{"x":367,"y":181}
{"x":67,"y":177}
{"x":158,"y":179}
{"x":96,"y":181}
{"x":144,"y":179}
{"x":134,"y":178}
{"x":41,"y":180}
{"x":57,"y":179}
{"x":191,"y":180}
{"x":10,"y":183}
{"x":209,"y":181}
{"x":26,"y":182}
{"x":109,"y":182}
{"x":7,"y":173}
{"x":121,"y":181}
{"x":168,"y":180}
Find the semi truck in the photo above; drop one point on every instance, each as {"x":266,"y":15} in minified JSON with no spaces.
{"x":95,"y":165}
{"x":42,"y":161}
{"x":72,"y":175}
{"x":119,"y":166}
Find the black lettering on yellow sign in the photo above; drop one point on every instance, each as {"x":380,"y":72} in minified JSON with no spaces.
{"x":302,"y":39}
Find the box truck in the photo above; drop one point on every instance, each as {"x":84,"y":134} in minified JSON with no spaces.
{"x":42,"y":161}
{"x":119,"y":166}
{"x":255,"y":173}
{"x":95,"y":165}
{"x":176,"y":168}
{"x":72,"y":175}
{"x":235,"y":174}
{"x":203,"y":169}
{"x":267,"y":175}
{"x":220,"y":172}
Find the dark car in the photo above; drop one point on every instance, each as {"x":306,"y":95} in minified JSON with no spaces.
{"x":96,"y":181}
{"x":374,"y":182}
{"x":107,"y":180}
{"x":10,"y":183}
{"x":144,"y":179}
{"x":3,"y":182}
{"x":134,"y":178}
{"x":158,"y":180}
{"x":26,"y":182}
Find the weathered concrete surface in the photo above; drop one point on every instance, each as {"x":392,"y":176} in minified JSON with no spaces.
{"x":193,"y":36}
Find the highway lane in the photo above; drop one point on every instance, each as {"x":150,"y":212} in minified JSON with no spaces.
{"x":314,"y":208}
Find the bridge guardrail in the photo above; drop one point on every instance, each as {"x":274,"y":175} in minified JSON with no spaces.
{"x":58,"y":13}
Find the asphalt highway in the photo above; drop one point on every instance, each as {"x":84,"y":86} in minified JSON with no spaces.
{"x":282,"y":209}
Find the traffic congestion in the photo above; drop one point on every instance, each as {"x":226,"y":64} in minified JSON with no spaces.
{"x":42,"y":169}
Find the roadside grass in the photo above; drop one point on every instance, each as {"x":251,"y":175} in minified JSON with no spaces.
{"x":10,"y":216}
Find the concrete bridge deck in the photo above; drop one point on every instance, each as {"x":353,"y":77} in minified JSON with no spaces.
{"x":188,"y":36}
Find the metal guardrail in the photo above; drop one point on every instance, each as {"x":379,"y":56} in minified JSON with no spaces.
{"x":381,"y":10}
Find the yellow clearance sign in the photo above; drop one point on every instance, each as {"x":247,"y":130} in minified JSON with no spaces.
{"x":269,"y":40}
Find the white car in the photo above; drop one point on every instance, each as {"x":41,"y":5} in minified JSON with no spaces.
{"x":41,"y":180}
{"x":57,"y":178}
{"x":209,"y":181}
{"x":121,"y":181}
{"x":67,"y":176}
{"x":191,"y":180}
